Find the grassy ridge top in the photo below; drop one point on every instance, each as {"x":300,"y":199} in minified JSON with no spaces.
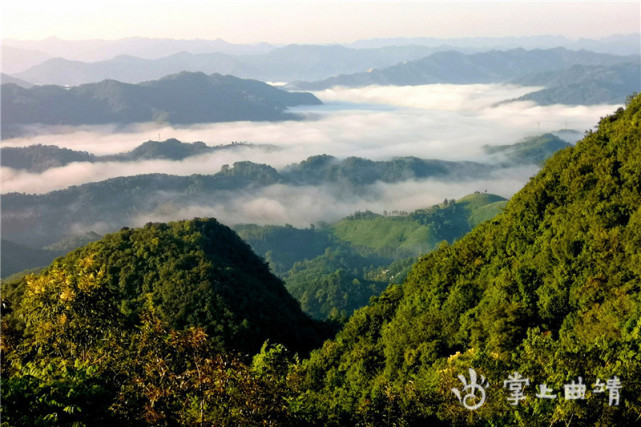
{"x":418,"y":232}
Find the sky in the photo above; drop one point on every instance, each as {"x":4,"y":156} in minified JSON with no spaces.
{"x":313,"y":21}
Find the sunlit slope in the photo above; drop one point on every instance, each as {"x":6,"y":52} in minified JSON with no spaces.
{"x":419,"y":231}
{"x":551,"y":289}
{"x":334,"y":270}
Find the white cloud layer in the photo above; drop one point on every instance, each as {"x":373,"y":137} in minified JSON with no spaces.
{"x":305,"y":205}
{"x":449,"y":122}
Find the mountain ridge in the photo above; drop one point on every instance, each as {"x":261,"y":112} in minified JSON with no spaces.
{"x":548,"y":289}
{"x":458,"y":68}
{"x":182,"y":98}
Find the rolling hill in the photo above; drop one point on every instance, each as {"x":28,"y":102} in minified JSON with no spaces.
{"x":335,"y":269}
{"x":287,"y":63}
{"x":28,"y":218}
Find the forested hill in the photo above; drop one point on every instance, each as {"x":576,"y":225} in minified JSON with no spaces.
{"x":182,"y":98}
{"x":124,"y":330}
{"x":548,"y":291}
{"x":334,"y":269}
{"x":551,"y":289}
{"x":119,"y":201}
{"x":192,"y":273}
{"x":38,"y":158}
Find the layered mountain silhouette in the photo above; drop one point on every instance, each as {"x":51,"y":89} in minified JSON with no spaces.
{"x":584,"y":84}
{"x":182,"y":98}
{"x":293,"y":62}
{"x":459,"y":68}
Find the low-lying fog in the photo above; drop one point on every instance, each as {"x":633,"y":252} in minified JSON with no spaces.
{"x":451,"y":122}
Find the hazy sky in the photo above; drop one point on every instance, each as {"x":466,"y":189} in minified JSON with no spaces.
{"x":313,"y":21}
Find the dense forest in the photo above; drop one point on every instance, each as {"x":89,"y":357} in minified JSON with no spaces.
{"x":549,"y":289}
{"x":180,"y":302}
{"x":182,"y":323}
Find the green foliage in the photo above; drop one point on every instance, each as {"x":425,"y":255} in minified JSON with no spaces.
{"x":283,"y":246}
{"x":55,"y":393}
{"x":143,"y":326}
{"x":333,"y":284}
{"x":550,"y":289}
{"x":197,"y":273}
{"x":334,"y":270}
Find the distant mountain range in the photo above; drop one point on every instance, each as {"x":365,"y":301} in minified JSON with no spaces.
{"x":294,"y":62}
{"x":569,"y":77}
{"x":100,"y":50}
{"x":182,"y":98}
{"x":6,"y":79}
{"x":584,"y":84}
{"x":459,"y":68}
{"x":625,"y":44}
{"x":18,"y":55}
{"x":332,"y":64}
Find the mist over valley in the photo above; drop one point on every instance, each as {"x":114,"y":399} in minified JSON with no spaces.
{"x":320,"y":213}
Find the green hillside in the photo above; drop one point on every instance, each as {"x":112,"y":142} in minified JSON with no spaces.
{"x":550,"y":289}
{"x":394,"y":236}
{"x":144,"y":327}
{"x":412,"y":234}
{"x":194,"y":273}
{"x":334,"y":270}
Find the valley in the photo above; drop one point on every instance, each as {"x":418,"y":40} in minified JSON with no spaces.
{"x":278,"y":230}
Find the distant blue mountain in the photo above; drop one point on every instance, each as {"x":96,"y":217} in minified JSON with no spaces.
{"x":178,"y":99}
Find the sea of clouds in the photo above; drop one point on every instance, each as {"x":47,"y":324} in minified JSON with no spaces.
{"x":450,"y":122}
